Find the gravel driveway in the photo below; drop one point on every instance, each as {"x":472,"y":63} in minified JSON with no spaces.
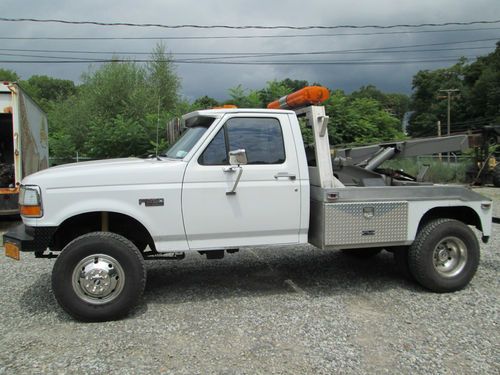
{"x":277,"y":310}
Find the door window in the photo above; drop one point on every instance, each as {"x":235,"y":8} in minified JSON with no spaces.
{"x":261,"y":138}
{"x":216,"y":152}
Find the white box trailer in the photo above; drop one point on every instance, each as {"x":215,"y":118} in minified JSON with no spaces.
{"x":23,"y":143}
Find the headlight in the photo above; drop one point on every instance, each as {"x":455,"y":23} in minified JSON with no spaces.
{"x":30,"y":201}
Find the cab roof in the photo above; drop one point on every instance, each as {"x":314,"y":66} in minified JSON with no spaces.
{"x":219,"y":112}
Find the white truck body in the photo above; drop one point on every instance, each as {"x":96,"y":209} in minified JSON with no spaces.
{"x":236,"y":178}
{"x":23,"y":141}
{"x":197,"y":214}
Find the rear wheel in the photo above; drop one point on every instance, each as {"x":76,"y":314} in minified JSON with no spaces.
{"x":99,"y":276}
{"x":445,"y":255}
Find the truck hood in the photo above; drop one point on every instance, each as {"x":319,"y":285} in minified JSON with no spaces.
{"x":129,"y":171}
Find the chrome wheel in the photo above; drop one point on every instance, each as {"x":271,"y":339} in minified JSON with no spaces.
{"x":450,"y":256}
{"x":98,"y":279}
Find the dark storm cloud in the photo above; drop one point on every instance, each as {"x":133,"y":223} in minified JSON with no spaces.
{"x":214,"y":80}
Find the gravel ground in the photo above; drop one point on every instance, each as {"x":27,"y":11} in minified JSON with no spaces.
{"x":280,"y":310}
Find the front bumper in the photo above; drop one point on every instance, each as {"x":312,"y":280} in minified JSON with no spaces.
{"x":34,"y":239}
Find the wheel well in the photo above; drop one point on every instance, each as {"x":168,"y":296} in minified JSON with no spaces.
{"x":121,"y":224}
{"x":461,"y":213}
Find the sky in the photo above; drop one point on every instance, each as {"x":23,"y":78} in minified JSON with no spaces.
{"x":214,"y":80}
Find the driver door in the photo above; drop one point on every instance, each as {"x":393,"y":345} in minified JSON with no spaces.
{"x":265,"y":208}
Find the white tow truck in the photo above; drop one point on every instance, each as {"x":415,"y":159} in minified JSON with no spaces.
{"x":236,"y":178}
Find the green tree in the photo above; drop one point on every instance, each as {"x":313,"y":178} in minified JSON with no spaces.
{"x":482,"y":79}
{"x":430,"y":104}
{"x":48,"y":88}
{"x":273,"y":91}
{"x":477,"y":103}
{"x":117,"y":88}
{"x":115,"y":111}
{"x":360,"y":120}
{"x":162,"y":78}
{"x":8,"y":75}
{"x":47,"y":91}
{"x":68,"y":127}
{"x":295,"y":84}
{"x":124,"y":136}
{"x":244,"y":98}
{"x":370,"y":92}
{"x":205,"y":102}
{"x":396,"y":104}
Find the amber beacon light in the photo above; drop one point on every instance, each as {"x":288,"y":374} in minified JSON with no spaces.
{"x":306,"y":96}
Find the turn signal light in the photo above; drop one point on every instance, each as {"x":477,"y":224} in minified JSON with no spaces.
{"x":30,"y":211}
{"x":306,"y":96}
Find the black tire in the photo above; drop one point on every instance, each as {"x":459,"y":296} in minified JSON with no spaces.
{"x":444,"y":256}
{"x":496,"y":176}
{"x":362,"y":253}
{"x":110,"y":264}
{"x":401,"y":260}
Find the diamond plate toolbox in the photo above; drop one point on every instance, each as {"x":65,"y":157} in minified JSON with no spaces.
{"x":365,"y":222}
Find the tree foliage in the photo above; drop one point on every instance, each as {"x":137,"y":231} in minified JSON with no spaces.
{"x":396,"y":104}
{"x":8,"y":75}
{"x":205,"y":102}
{"x":261,"y":98}
{"x":48,"y":90}
{"x":161,"y":74}
{"x":482,"y":78}
{"x":244,"y":98}
{"x":475,"y":105}
{"x":365,"y":116}
{"x":360,"y":120}
{"x":115,"y":111}
{"x":430,"y":104}
{"x":277,"y":89}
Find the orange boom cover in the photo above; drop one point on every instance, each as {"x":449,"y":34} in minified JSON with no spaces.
{"x":306,"y":96}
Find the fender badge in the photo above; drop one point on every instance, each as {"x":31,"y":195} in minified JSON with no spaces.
{"x":152,"y":202}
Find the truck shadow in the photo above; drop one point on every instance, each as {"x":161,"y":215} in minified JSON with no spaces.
{"x":306,"y":273}
{"x":313,"y":273}
{"x":38,"y":299}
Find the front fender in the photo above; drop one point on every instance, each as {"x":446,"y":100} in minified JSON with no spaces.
{"x":164,"y":223}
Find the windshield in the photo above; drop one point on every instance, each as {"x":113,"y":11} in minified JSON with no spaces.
{"x":185,"y":143}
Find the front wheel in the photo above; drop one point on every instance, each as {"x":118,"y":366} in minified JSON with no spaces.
{"x":99,"y":276}
{"x":445,"y":255}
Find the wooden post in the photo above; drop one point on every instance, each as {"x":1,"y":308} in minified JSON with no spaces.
{"x":439,"y":135}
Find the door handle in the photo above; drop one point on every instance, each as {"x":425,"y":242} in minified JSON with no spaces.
{"x":285,"y":175}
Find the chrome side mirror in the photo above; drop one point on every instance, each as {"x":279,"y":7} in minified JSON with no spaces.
{"x":238,"y":157}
